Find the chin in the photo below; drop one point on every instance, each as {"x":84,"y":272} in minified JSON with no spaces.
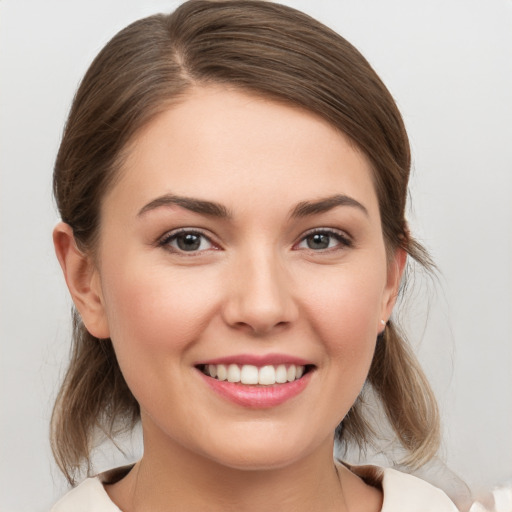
{"x":262,"y":461}
{"x":263,"y":451}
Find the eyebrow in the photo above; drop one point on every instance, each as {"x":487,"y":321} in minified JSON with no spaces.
{"x":306,"y":208}
{"x":213,"y":209}
{"x":200,"y":206}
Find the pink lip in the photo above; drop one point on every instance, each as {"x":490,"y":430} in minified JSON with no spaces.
{"x":257,"y":397}
{"x":257,"y":360}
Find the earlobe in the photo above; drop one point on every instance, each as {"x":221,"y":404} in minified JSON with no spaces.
{"x":82,"y":280}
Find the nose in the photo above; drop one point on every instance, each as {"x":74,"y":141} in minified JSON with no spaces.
{"x":259,"y":295}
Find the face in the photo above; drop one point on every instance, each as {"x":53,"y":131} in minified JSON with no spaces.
{"x":243,"y":241}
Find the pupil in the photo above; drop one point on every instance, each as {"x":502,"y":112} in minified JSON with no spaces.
{"x":189,"y":242}
{"x":318,"y":241}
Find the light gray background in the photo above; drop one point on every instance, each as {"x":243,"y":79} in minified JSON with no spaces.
{"x":449,"y":65}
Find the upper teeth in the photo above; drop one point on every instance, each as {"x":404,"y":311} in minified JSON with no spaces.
{"x":249,"y":374}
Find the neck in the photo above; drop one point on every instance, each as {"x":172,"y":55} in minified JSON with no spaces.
{"x":169,"y":477}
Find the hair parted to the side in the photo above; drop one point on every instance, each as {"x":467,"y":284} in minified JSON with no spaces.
{"x":265,"y":49}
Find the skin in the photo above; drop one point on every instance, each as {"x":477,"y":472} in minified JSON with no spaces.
{"x":254,"y":287}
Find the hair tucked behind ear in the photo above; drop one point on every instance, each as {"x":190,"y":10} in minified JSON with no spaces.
{"x":265,"y":49}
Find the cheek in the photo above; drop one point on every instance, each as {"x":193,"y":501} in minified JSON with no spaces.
{"x":156,"y":318}
{"x":347,"y":302}
{"x":155,"y":311}
{"x":344,"y":311}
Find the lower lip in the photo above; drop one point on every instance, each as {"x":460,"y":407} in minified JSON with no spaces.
{"x":258,"y":397}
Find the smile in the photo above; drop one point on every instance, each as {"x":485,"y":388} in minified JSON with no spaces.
{"x":254,"y":382}
{"x":248,"y":374}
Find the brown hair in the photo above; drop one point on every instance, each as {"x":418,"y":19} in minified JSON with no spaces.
{"x":272,"y":51}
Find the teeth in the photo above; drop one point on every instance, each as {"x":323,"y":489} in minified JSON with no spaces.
{"x":267,"y":376}
{"x":281,"y":374}
{"x":233,"y":373}
{"x":252,"y":375}
{"x":249,"y":374}
{"x":222,"y":372}
{"x":212,"y":370}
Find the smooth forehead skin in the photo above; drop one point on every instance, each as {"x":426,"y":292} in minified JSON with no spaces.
{"x":234,"y":134}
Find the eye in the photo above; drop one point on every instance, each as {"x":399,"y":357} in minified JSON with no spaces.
{"x":186,"y":240}
{"x":324,"y":239}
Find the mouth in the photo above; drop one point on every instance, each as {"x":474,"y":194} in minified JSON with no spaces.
{"x":251,"y":375}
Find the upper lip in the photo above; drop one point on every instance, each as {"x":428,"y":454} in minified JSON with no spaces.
{"x":256,"y":360}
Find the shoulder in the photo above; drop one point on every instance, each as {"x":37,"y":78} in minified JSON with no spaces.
{"x":409,"y":491}
{"x":403,"y":492}
{"x":89,"y":495}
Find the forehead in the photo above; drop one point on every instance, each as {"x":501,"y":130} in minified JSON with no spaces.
{"x":223,"y":144}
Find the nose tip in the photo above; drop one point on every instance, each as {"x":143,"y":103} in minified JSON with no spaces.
{"x":260,"y":321}
{"x":260,"y":300}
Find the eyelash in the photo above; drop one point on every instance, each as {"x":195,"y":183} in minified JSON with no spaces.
{"x":344,"y":241}
{"x":168,"y":238}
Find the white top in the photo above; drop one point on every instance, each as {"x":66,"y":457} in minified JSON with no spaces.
{"x":402,"y":493}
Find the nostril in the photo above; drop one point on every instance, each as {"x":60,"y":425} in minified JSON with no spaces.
{"x":259,"y":303}
{"x":259,"y":328}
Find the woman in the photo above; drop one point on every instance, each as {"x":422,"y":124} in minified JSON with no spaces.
{"x":232,"y":184}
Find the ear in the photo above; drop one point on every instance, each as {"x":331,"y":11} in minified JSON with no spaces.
{"x":82,"y":279}
{"x":396,"y":268}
